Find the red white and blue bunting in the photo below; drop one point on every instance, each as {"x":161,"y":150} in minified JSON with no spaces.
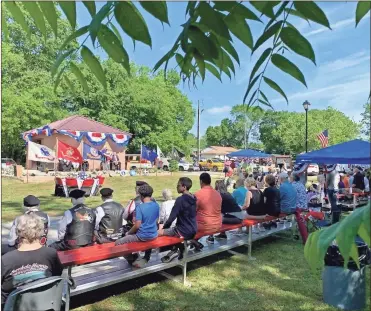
{"x":77,"y":135}
{"x":94,"y":138}
{"x":119,"y":139}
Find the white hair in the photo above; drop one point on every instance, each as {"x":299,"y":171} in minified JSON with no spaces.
{"x":167,"y":194}
{"x":30,"y":228}
{"x":78,"y":201}
{"x":30,"y":208}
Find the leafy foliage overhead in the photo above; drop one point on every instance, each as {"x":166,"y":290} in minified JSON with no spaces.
{"x":205,"y":43}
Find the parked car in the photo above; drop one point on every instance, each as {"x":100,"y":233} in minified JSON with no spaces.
{"x":313,"y":169}
{"x":214,"y":165}
{"x":183,"y":166}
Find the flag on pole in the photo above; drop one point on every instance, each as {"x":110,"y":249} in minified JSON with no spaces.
{"x":69,"y":153}
{"x":323,"y":138}
{"x":148,"y":154}
{"x":176,"y":154}
{"x":40,"y":153}
{"x":159,"y":153}
{"x":91,"y":153}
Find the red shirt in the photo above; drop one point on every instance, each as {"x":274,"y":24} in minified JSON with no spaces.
{"x":209,"y":209}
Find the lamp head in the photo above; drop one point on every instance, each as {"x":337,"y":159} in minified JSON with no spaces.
{"x":306,"y":105}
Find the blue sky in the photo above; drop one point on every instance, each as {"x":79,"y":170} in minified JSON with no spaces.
{"x":341,"y":78}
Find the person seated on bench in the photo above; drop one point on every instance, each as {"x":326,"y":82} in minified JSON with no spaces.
{"x":287,"y":195}
{"x":108,"y":222}
{"x":271,"y":197}
{"x":301,"y":194}
{"x":166,"y":208}
{"x":145,"y":226}
{"x":184,"y":211}
{"x":31,"y":261}
{"x":130,"y":208}
{"x":253,"y":207}
{"x":31,"y":205}
{"x":76,"y":228}
{"x":240,"y":192}
{"x":209,"y":209}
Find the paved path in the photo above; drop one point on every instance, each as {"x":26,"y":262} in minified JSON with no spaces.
{"x":52,"y":234}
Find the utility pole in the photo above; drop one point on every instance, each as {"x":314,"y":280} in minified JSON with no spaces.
{"x":198,"y":132}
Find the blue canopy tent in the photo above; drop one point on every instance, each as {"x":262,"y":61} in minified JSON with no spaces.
{"x":351,"y":152}
{"x":249,"y":153}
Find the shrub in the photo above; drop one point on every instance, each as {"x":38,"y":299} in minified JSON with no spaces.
{"x":173,"y":166}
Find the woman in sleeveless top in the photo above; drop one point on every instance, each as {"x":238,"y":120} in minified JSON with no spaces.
{"x":254,"y":203}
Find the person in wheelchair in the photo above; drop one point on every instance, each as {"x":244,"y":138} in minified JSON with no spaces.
{"x":31,"y":261}
{"x":109,"y":217}
{"x":31,"y":205}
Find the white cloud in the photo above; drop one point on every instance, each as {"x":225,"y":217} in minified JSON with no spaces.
{"x":218,"y":110}
{"x":336,"y":26}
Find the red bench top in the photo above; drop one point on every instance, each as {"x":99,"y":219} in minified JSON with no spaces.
{"x":99,"y":252}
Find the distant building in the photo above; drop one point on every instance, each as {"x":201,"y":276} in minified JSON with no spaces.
{"x":216,"y":152}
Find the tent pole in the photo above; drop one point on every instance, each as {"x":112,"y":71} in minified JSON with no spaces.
{"x":27,"y":163}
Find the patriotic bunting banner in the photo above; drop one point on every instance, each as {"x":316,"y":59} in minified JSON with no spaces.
{"x":119,"y":139}
{"x":77,"y":135}
{"x":45,"y":130}
{"x":96,"y":139}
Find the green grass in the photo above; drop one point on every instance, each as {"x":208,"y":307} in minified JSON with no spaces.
{"x":280,"y":278}
{"x":13,"y":192}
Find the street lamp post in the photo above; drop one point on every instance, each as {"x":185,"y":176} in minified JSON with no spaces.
{"x":306,"y":105}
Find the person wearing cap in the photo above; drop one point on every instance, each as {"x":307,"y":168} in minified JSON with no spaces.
{"x":108,"y":222}
{"x":332,"y":186}
{"x":76,"y":228}
{"x":287,"y":194}
{"x":128,"y":215}
{"x":31,"y":205}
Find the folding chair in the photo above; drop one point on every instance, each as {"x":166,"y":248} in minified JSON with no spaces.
{"x":42,"y":295}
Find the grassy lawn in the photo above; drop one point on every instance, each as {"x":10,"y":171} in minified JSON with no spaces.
{"x":13,"y":192}
{"x":279,"y":279}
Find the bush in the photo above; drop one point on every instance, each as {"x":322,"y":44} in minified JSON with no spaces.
{"x":173,"y":166}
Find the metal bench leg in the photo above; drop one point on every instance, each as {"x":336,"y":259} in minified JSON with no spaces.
{"x":249,"y":245}
{"x":184,"y":266}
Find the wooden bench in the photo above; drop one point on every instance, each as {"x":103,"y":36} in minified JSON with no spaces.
{"x":101,"y":264}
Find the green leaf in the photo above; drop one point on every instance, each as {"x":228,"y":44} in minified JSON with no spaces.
{"x":156,"y":8}
{"x":202,"y":43}
{"x":70,"y":84}
{"x":259,"y":62}
{"x":326,"y":237}
{"x":200,"y":63}
{"x":310,"y":250}
{"x":362,"y":8}
{"x":79,"y":32}
{"x":165,"y":58}
{"x":227,"y":46}
{"x":4,"y":25}
{"x":265,"y":103}
{"x":275,"y":87}
{"x":17,"y":15}
{"x":90,"y":5}
{"x":191,"y":7}
{"x":76,"y":71}
{"x":96,"y":22}
{"x":94,"y":65}
{"x":58,"y":79}
{"x":366,"y":219}
{"x":213,"y":20}
{"x":296,"y":13}
{"x":117,"y":33}
{"x":362,"y":232}
{"x":354,"y":254}
{"x":312,"y":11}
{"x":132,"y":22}
{"x":59,"y":61}
{"x":111,"y":44}
{"x":36,"y":15}
{"x":236,"y":8}
{"x":265,"y":7}
{"x":213,"y":70}
{"x":69,"y":9}
{"x":251,"y":101}
{"x":285,"y":65}
{"x":48,"y":8}
{"x":278,"y":13}
{"x":251,"y":84}
{"x":265,"y":97}
{"x":297,"y":43}
{"x":267,"y":34}
{"x":238,"y":26}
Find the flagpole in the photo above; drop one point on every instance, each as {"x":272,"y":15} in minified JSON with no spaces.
{"x":28,"y":145}
{"x":56,"y":158}
{"x":140,"y":158}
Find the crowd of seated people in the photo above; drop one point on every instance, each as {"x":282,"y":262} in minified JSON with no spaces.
{"x":144,"y":220}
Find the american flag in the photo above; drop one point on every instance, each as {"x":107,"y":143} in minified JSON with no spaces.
{"x":323,"y":138}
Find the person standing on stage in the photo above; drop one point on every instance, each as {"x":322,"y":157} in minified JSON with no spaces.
{"x":76,"y":228}
{"x":31,"y":205}
{"x":108,"y":222}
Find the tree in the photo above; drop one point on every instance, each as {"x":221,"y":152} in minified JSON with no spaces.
{"x":281,"y":133}
{"x":365,"y":122}
{"x":204,"y":44}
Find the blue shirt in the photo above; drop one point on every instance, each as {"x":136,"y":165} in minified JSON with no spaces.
{"x":147,"y":213}
{"x":301,"y":195}
{"x":239,"y":195}
{"x":288,"y":198}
